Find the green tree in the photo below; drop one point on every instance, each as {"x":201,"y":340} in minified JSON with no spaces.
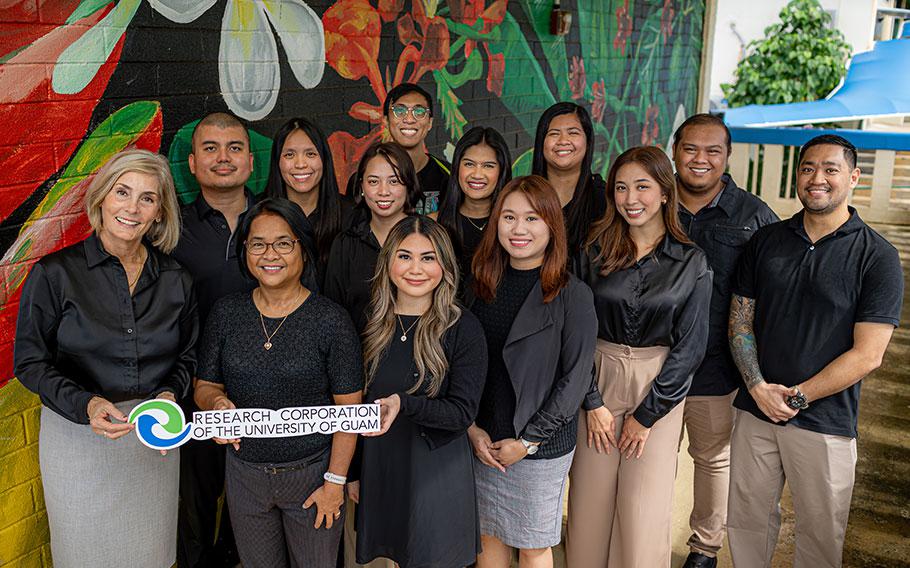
{"x":801,"y":58}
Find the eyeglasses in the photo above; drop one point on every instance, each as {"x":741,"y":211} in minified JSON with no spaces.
{"x":418,"y":112}
{"x":258,"y":248}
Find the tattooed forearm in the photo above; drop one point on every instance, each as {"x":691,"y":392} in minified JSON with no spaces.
{"x":742,"y":340}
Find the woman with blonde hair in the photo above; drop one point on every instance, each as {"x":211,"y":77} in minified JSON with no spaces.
{"x":425,"y":359}
{"x":104,"y":324}
{"x":652,"y":289}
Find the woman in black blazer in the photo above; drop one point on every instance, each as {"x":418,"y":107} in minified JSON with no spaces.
{"x":540,"y":327}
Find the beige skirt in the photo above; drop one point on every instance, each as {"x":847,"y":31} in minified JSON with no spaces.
{"x":109,"y":502}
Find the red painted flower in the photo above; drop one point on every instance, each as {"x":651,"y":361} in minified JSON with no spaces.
{"x":666,"y":20}
{"x":468,"y":12}
{"x":578,"y":81}
{"x":352,"y":32}
{"x":599,"y":90}
{"x":650,"y":130}
{"x":623,"y":27}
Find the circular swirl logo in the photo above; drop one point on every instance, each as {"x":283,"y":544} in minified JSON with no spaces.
{"x":160,"y":424}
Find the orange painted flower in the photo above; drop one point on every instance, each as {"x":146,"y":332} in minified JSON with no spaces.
{"x":468,"y":12}
{"x":666,"y":20}
{"x":623,"y":27}
{"x":352,"y":32}
{"x":578,"y":80}
{"x":599,"y":90}
{"x":650,"y":130}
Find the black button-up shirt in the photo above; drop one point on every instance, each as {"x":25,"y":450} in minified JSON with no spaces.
{"x":722,"y":229}
{"x":81,"y":334}
{"x":661,"y":300}
{"x":808,"y":296}
{"x":208,"y":250}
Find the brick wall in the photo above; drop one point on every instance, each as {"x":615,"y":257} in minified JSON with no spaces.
{"x":73,"y":91}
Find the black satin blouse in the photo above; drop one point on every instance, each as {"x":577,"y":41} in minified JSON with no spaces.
{"x":664,"y":299}
{"x":81,"y":334}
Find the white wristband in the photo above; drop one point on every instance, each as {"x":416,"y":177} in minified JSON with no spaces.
{"x":333,"y":478}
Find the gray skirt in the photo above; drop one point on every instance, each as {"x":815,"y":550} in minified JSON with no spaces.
{"x":109,"y":502}
{"x":523,"y":506}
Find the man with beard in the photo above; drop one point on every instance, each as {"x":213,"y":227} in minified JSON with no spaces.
{"x":815,"y":301}
{"x":720,"y":218}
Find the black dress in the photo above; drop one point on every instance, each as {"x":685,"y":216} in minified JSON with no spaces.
{"x":417,"y":500}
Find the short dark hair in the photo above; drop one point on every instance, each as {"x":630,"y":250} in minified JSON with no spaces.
{"x":703,"y":119}
{"x":220,"y":119}
{"x":293,"y":215}
{"x":401,"y":163}
{"x":834,"y":139}
{"x":402,"y":90}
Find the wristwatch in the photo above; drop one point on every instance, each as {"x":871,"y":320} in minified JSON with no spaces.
{"x":797,"y":401}
{"x":531,"y":447}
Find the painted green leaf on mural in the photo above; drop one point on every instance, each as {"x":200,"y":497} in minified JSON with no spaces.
{"x":86,"y":8}
{"x":525,"y":91}
{"x":473,"y":70}
{"x":185,"y":181}
{"x":78,"y":65}
{"x":554,"y":47}
{"x":522,"y":164}
{"x":450,"y":103}
{"x":597,"y":29}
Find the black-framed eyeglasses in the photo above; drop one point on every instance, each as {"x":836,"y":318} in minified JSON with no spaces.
{"x":418,"y":112}
{"x":258,"y":248}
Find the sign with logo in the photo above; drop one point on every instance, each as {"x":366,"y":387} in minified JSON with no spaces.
{"x":161,"y":424}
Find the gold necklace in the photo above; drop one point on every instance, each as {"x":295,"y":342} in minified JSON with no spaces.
{"x":473,"y":224}
{"x":131,"y":283}
{"x":268,"y":337}
{"x":405,"y":332}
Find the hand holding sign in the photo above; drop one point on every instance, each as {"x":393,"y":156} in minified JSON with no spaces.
{"x":388,"y":411}
{"x":224,"y":403}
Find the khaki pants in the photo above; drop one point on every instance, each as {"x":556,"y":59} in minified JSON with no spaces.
{"x":819,"y":469}
{"x":620,"y":509}
{"x":709,"y":423}
{"x":350,"y":543}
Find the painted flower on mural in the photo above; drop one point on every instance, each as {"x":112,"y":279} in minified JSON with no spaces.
{"x":249,"y":84}
{"x":598,"y":90}
{"x":650,"y":130}
{"x":666,"y":20}
{"x":623,"y":27}
{"x":578,"y":81}
{"x":468,"y":12}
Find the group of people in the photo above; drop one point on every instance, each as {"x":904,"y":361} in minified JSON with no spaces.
{"x":520,"y":335}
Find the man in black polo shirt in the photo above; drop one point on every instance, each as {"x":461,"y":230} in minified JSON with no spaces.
{"x":408,"y":112}
{"x":720,"y":218}
{"x":815,"y":301}
{"x":221,"y":161}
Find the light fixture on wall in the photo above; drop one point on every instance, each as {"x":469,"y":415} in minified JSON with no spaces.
{"x":560,"y":20}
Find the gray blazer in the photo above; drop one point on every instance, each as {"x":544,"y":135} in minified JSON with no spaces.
{"x":549,"y":354}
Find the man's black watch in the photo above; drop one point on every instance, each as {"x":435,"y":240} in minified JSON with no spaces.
{"x":797,"y":401}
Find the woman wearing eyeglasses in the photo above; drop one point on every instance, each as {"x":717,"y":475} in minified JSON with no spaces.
{"x":281,"y":345}
{"x":408,"y":113}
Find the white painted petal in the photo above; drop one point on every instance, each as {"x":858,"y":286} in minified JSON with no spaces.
{"x":248,"y":68}
{"x":302,"y":38}
{"x":80,"y":62}
{"x":181,"y":11}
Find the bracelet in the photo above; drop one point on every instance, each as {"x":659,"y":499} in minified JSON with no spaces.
{"x":334,"y":478}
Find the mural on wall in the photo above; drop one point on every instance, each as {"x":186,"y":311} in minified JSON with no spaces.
{"x":634,"y":64}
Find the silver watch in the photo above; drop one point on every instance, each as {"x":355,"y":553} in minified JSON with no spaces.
{"x":531,"y":447}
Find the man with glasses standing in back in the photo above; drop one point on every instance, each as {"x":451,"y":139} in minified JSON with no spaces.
{"x":408,"y":112}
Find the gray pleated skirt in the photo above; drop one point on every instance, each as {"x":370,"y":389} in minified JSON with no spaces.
{"x":109,"y":502}
{"x":523,"y":506}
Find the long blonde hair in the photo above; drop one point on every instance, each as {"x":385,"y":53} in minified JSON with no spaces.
{"x":429,"y":353}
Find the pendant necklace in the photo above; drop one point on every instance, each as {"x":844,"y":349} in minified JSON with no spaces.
{"x":479,"y":228}
{"x":268,"y":336}
{"x":405,"y":332}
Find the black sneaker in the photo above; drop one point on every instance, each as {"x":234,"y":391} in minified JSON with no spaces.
{"x":698,"y":560}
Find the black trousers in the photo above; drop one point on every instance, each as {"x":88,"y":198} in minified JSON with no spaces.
{"x":201,"y":486}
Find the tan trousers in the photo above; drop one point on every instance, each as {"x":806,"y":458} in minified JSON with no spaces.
{"x":709,"y":423}
{"x":819,"y":469}
{"x":620,"y":509}
{"x":350,"y":543}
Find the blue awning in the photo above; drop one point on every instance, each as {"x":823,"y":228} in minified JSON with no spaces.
{"x":877,"y":85}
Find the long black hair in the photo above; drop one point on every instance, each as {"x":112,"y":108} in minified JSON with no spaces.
{"x":300,"y":227}
{"x":583,"y":209}
{"x":454,"y":196}
{"x":329,"y":203}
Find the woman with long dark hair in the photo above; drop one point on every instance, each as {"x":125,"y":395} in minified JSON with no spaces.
{"x":563,"y":154}
{"x":301,"y":170}
{"x":387,"y":192}
{"x":652,"y":289}
{"x":425,"y":360}
{"x":482,"y":166}
{"x":540,"y":329}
